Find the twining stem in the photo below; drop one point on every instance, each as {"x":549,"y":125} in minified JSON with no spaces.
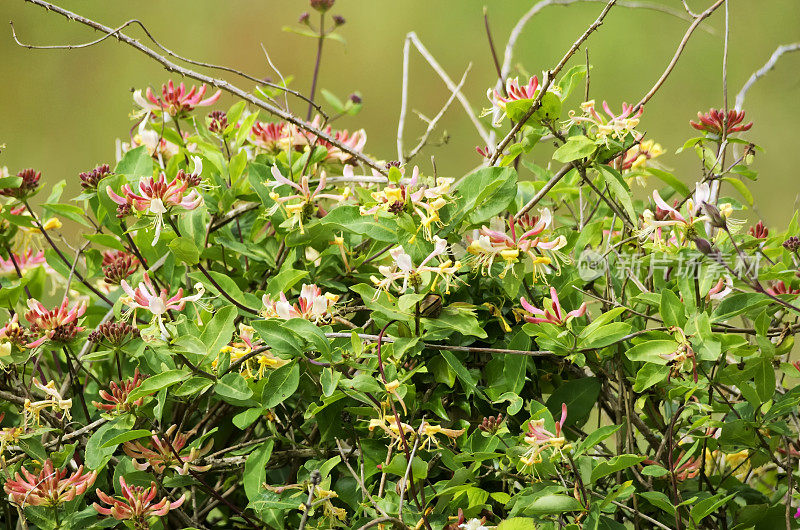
{"x":316,"y":65}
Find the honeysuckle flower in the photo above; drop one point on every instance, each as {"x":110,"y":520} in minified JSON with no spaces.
{"x":415,"y":197}
{"x":721,"y":289}
{"x":116,"y":401}
{"x":403,"y":269}
{"x":28,"y":186}
{"x":540,"y":438}
{"x":474,"y":524}
{"x":355,"y":141}
{"x":158,"y":197}
{"x":312,"y":305}
{"x":255,"y":367}
{"x":50,"y":487}
{"x":118,"y":265}
{"x":306,"y":199}
{"x":608,"y":125}
{"x":28,"y":235}
{"x":779,"y":287}
{"x":175,"y":101}
{"x":324,"y":497}
{"x":53,"y":400}
{"x":8,"y":435}
{"x":759,"y":231}
{"x":59,"y":324}
{"x":90,"y":179}
{"x":388,"y":424}
{"x":637,"y":158}
{"x":137,"y":505}
{"x":557,"y":317}
{"x":158,"y":453}
{"x":146,"y":296}
{"x":713,"y":122}
{"x":13,"y":333}
{"x":157,"y":146}
{"x":218,"y":121}
{"x":496,"y":246}
{"x":25,"y":262}
{"x":513,"y":92}
{"x":429,"y":432}
{"x":271,"y":137}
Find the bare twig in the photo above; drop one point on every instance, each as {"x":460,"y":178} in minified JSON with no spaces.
{"x":764,"y":70}
{"x":542,"y":192}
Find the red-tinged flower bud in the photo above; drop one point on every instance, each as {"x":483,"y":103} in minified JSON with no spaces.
{"x":305,"y":18}
{"x":191,"y":180}
{"x":759,"y":231}
{"x":338,"y":20}
{"x":90,"y":179}
{"x":355,"y":98}
{"x":117,"y":266}
{"x":123,"y":210}
{"x":703,"y":245}
{"x":114,"y":333}
{"x":322,"y":5}
{"x":219,"y":121}
{"x":792,"y":244}
{"x":28,"y":186}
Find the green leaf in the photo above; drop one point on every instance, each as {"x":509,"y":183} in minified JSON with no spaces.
{"x":652,"y":350}
{"x":68,"y":211}
{"x":649,"y":375}
{"x":463,"y":375}
{"x":613,"y":465}
{"x":549,"y":108}
{"x":659,"y":500}
{"x":595,"y":437}
{"x":105,"y":240}
{"x":575,"y":148}
{"x":126,"y":437}
{"x":706,"y":507}
{"x":281,"y":384}
{"x":607,"y":335}
{"x":219,"y":330}
{"x":580,"y":396}
{"x":517,"y":523}
{"x":670,"y":180}
{"x":618,"y":188}
{"x":280,"y":338}
{"x":484,"y":193}
{"x":571,"y":79}
{"x":672,"y":309}
{"x":741,"y":188}
{"x":554,"y":503}
{"x":135,"y":163}
{"x":185,"y":250}
{"x":255,"y":469}
{"x":157,"y":382}
{"x":329,"y":380}
{"x":233,"y":388}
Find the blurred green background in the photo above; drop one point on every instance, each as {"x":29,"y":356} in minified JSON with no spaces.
{"x":62,"y":110}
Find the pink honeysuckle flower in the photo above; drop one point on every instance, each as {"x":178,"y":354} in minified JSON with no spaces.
{"x":145,"y":296}
{"x":492,"y":245}
{"x":759,"y":231}
{"x":721,"y":289}
{"x":159,"y":453}
{"x":557,"y":317}
{"x":312,"y":305}
{"x":50,"y":487}
{"x":271,"y":137}
{"x":117,"y":399}
{"x":175,"y":101}
{"x":306,"y":199}
{"x":158,"y":197}
{"x":779,"y":288}
{"x":403,"y":269}
{"x":713,"y":121}
{"x":26,"y":261}
{"x":137,"y":505}
{"x":540,"y":438}
{"x":609,"y":124}
{"x":514,"y":92}
{"x":59,"y":324}
{"x":355,"y":141}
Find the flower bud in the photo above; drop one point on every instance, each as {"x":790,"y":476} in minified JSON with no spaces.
{"x":355,"y":98}
{"x":304,"y":18}
{"x":703,"y":245}
{"x":792,"y":244}
{"x":716,"y":218}
{"x":338,"y":20}
{"x":28,"y":186}
{"x":759,"y":231}
{"x":322,"y":5}
{"x":90,"y":179}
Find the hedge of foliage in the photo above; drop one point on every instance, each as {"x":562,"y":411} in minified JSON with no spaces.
{"x":261,"y":326}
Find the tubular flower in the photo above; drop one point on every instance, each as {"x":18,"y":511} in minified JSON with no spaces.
{"x":540,"y":438}
{"x":414,"y":197}
{"x":255,"y":367}
{"x":59,"y":324}
{"x":779,"y":288}
{"x":53,"y":400}
{"x":159,"y":454}
{"x":13,"y":334}
{"x":299,"y":211}
{"x":495,"y":245}
{"x":668,"y":216}
{"x":713,"y":122}
{"x":388,"y":424}
{"x":429,"y":432}
{"x":403,"y":270}
{"x":146,"y":297}
{"x":118,"y":265}
{"x":157,"y":197}
{"x":28,"y":186}
{"x":604,"y":127}
{"x":25,"y":262}
{"x":759,"y":231}
{"x":50,"y":487}
{"x":721,"y":289}
{"x":175,"y":101}
{"x":312,"y":305}
{"x":514,"y":92}
{"x":28,"y":234}
{"x":116,"y":400}
{"x":137,"y":505}
{"x":271,"y":137}
{"x":637,"y":158}
{"x":8,"y":435}
{"x":557,"y":317}
{"x":355,"y":141}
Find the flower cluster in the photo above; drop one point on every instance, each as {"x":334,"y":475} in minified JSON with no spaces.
{"x":118,"y":265}
{"x":158,"y":302}
{"x":59,"y":324}
{"x":165,"y":453}
{"x":137,"y":504}
{"x":312,"y":305}
{"x":714,"y":121}
{"x":250,"y":366}
{"x":304,"y":200}
{"x":28,"y":186}
{"x":175,"y":101}
{"x":116,"y":401}
{"x":539,"y":438}
{"x":49,"y":487}
{"x":403,"y":271}
{"x":557,"y":317}
{"x":90,"y":179}
{"x":609,"y":125}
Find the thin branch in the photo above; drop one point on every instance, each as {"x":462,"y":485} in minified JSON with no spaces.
{"x":764,"y":70}
{"x":702,"y":16}
{"x":403,"y":99}
{"x":432,"y":122}
{"x":542,"y":192}
{"x":215,"y":82}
